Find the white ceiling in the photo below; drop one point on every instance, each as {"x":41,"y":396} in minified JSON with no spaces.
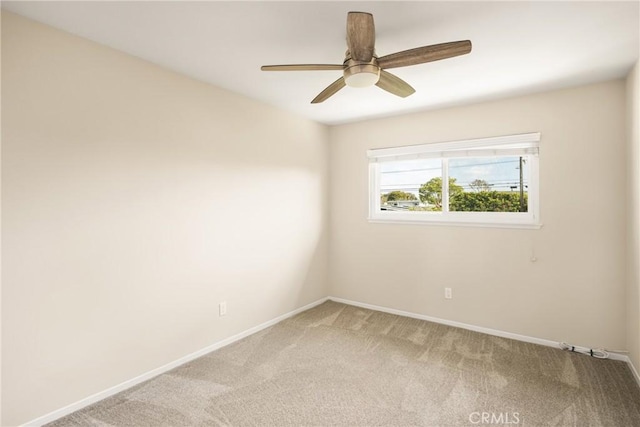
{"x":518,"y":47}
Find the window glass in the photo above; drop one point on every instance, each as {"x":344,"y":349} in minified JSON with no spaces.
{"x":485,"y":182}
{"x":401,"y":184}
{"x":488,"y":184}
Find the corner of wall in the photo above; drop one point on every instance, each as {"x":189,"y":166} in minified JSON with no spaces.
{"x":633,"y":219}
{"x":1,"y":423}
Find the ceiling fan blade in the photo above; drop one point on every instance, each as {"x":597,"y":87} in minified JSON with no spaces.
{"x":329,"y":91}
{"x":394,"y":85}
{"x":361,"y":36}
{"x":424,"y":54}
{"x":302,"y":67}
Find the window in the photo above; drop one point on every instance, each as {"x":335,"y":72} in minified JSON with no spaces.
{"x":489,"y":181}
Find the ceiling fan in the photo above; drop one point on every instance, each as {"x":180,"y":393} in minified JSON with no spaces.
{"x":361,"y":66}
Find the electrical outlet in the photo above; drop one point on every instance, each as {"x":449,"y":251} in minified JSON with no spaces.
{"x":223,"y":308}
{"x":447,"y":293}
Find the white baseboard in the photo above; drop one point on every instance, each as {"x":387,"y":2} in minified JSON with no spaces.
{"x":52,"y":416}
{"x":488,"y":331}
{"x":633,"y":370}
{"x":59,"y":413}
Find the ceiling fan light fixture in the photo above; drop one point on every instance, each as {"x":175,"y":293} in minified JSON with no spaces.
{"x":362,"y":75}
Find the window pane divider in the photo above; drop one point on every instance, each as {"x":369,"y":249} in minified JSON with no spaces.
{"x":445,"y":185}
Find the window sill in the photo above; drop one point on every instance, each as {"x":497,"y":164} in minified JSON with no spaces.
{"x":512,"y":225}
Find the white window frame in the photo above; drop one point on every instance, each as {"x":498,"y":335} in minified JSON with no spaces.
{"x":511,"y":145}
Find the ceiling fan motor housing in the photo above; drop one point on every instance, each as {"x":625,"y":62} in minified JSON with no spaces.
{"x":359,"y":74}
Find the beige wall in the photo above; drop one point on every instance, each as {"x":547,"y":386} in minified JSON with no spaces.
{"x":633,"y":241}
{"x":574,"y":292}
{"x":134,"y":201}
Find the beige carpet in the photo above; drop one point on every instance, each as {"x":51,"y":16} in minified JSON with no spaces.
{"x":340,"y":365}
